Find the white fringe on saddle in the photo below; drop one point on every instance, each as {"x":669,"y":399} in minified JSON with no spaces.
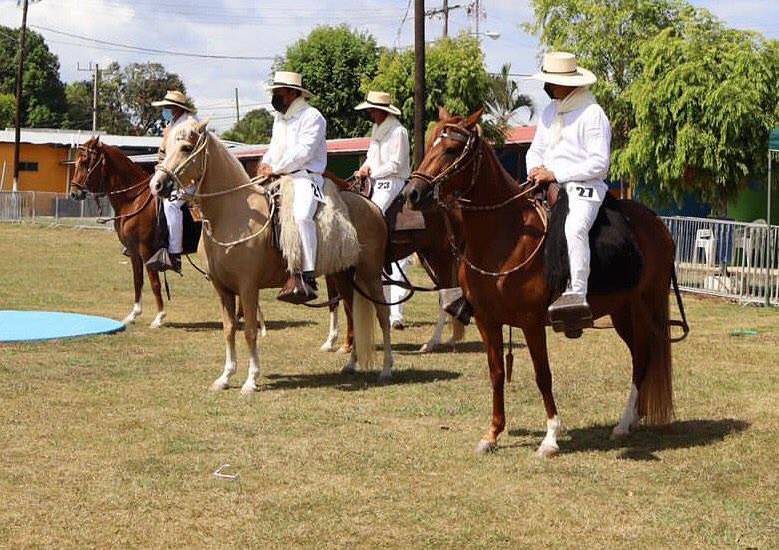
{"x":338,"y":247}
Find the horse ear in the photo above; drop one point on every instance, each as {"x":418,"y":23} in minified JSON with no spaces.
{"x":472,"y":120}
{"x":443,"y":114}
{"x":202,"y":124}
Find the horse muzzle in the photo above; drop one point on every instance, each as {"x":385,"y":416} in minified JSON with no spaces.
{"x":161,"y":184}
{"x":418,"y":197}
{"x":77,"y":193}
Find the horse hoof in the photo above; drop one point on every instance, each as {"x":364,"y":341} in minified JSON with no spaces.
{"x":547,"y":451}
{"x":219,"y":385}
{"x":327,"y":346}
{"x":485,"y":446}
{"x":619,"y":433}
{"x":344,"y":349}
{"x":263,"y":333}
{"x":158,"y":320}
{"x":249,"y":389}
{"x":429,"y":347}
{"x":349,"y":368}
{"x":385,"y":377}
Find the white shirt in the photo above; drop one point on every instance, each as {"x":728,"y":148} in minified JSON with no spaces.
{"x":298,"y":141}
{"x":388,"y":152}
{"x":584,"y":150}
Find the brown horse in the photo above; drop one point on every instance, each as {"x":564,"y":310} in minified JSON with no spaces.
{"x":501,"y":274}
{"x":433,"y":247}
{"x":101,"y":169}
{"x":104,"y":170}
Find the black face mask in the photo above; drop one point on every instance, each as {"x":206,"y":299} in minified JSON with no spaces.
{"x":548,"y":90}
{"x":278,"y":103}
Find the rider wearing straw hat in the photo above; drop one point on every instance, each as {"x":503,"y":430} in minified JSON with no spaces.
{"x":176,"y":108}
{"x":298,"y":149}
{"x":572,"y":147}
{"x":387,"y":163}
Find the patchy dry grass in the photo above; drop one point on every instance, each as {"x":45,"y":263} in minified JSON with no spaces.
{"x":111,"y":441}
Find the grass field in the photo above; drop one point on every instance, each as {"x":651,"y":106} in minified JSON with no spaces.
{"x":112,"y":441}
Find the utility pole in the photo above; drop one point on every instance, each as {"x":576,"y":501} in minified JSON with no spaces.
{"x":237,"y":108}
{"x":474,"y":10}
{"x":419,"y":81}
{"x":95,"y":83}
{"x":443,"y":11}
{"x":19,"y":76}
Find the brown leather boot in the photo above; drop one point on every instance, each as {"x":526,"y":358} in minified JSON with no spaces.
{"x":461,"y":310}
{"x":297,"y":290}
{"x":570,"y":314}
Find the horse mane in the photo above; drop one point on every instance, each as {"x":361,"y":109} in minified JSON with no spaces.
{"x":120,"y":159}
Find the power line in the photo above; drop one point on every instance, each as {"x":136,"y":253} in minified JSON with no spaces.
{"x":154,"y":50}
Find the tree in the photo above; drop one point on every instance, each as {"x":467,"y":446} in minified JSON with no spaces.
{"x":455,"y":78}
{"x":254,"y":127}
{"x":43,"y":99}
{"x":704,"y":103}
{"x":504,"y":100}
{"x":143,"y":83}
{"x":79,"y":99}
{"x":334,"y":62}
{"x":606,"y":36}
{"x":7,"y":110}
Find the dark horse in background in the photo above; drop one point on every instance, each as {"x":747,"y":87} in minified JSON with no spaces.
{"x":104,"y":170}
{"x":502,"y":275}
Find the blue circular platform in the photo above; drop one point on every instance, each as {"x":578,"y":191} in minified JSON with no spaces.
{"x":36,"y":326}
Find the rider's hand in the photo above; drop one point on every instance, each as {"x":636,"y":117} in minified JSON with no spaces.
{"x":264,"y":170}
{"x":363,"y":172}
{"x":542,"y":176}
{"x":532,"y":174}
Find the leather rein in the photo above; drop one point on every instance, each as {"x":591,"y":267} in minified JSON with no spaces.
{"x":471,"y":156}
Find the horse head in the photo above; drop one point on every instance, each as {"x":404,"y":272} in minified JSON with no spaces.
{"x":89,"y":170}
{"x":443,"y":174}
{"x":185,"y":158}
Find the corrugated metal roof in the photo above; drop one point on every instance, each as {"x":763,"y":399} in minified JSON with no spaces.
{"x":73,"y":138}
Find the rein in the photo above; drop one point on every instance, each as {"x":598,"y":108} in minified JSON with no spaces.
{"x":472,"y":155}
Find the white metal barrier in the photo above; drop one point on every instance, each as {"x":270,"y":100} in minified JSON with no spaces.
{"x":725,"y":258}
{"x":53,"y":208}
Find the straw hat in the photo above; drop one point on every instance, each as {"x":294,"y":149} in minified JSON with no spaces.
{"x":561,"y":68}
{"x":287,"y":79}
{"x":174,"y":98}
{"x":378,"y":100}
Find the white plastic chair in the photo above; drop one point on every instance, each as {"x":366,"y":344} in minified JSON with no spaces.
{"x":704,"y":238}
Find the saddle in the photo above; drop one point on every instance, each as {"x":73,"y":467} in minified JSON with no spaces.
{"x":616,"y":263}
{"x":193,"y":225}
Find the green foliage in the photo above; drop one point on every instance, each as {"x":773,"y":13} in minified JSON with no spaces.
{"x":254,"y":127}
{"x":143,"y":83}
{"x":43,"y":96}
{"x":334,"y":62}
{"x":7,"y":110}
{"x":504,"y":100}
{"x":455,"y":78}
{"x":705,"y":102}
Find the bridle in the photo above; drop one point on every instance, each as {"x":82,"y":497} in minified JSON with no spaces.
{"x":100,"y":161}
{"x":200,"y":146}
{"x":471,"y":155}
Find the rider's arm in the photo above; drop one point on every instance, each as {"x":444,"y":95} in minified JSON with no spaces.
{"x":535,"y":155}
{"x":268,"y":157}
{"x":312,"y":132}
{"x":597,"y":144}
{"x":398,"y":155}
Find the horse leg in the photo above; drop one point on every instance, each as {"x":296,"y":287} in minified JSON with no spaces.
{"x":382,"y":314}
{"x":249,"y":299}
{"x":261,"y":320}
{"x":229,"y":326}
{"x":343,"y":286}
{"x":458,"y":333}
{"x":332,"y":336}
{"x":623,"y":324}
{"x":435,"y":339}
{"x":535,"y":336}
{"x":492,"y":336}
{"x":137,"y":263}
{"x":156,"y":286}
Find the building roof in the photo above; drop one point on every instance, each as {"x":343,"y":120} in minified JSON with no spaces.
{"x":73,"y":138}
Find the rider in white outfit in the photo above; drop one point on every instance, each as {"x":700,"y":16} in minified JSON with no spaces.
{"x":387,"y":164}
{"x":298,"y":148}
{"x":176,"y":109}
{"x":572,"y":147}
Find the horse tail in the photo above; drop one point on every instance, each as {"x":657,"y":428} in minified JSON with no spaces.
{"x":364,"y":317}
{"x":655,"y":395}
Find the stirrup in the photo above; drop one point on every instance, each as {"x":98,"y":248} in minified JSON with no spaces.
{"x":297,"y":290}
{"x":461,"y":310}
{"x":570,"y":314}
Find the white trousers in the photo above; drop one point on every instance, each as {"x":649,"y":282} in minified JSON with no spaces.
{"x":175,"y":218}
{"x":584,"y":200}
{"x":393,"y":293}
{"x":307,"y":195}
{"x":385,"y":190}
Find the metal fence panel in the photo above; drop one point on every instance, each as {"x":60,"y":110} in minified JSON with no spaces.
{"x":55,"y":208}
{"x":725,"y":258}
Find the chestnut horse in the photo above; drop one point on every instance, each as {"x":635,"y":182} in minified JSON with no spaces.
{"x":501,"y":274}
{"x":104,"y":170}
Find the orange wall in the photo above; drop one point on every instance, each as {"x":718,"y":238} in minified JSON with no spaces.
{"x":51,"y":175}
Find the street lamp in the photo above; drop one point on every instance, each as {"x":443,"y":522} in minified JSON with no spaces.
{"x":489,"y":34}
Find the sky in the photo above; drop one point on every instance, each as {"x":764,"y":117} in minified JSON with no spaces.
{"x":264,"y":28}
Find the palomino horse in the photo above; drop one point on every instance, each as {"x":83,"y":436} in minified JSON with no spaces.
{"x":501,"y":274}
{"x":433,"y":248}
{"x":101,"y":169}
{"x":104,"y":170}
{"x":241,"y":256}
